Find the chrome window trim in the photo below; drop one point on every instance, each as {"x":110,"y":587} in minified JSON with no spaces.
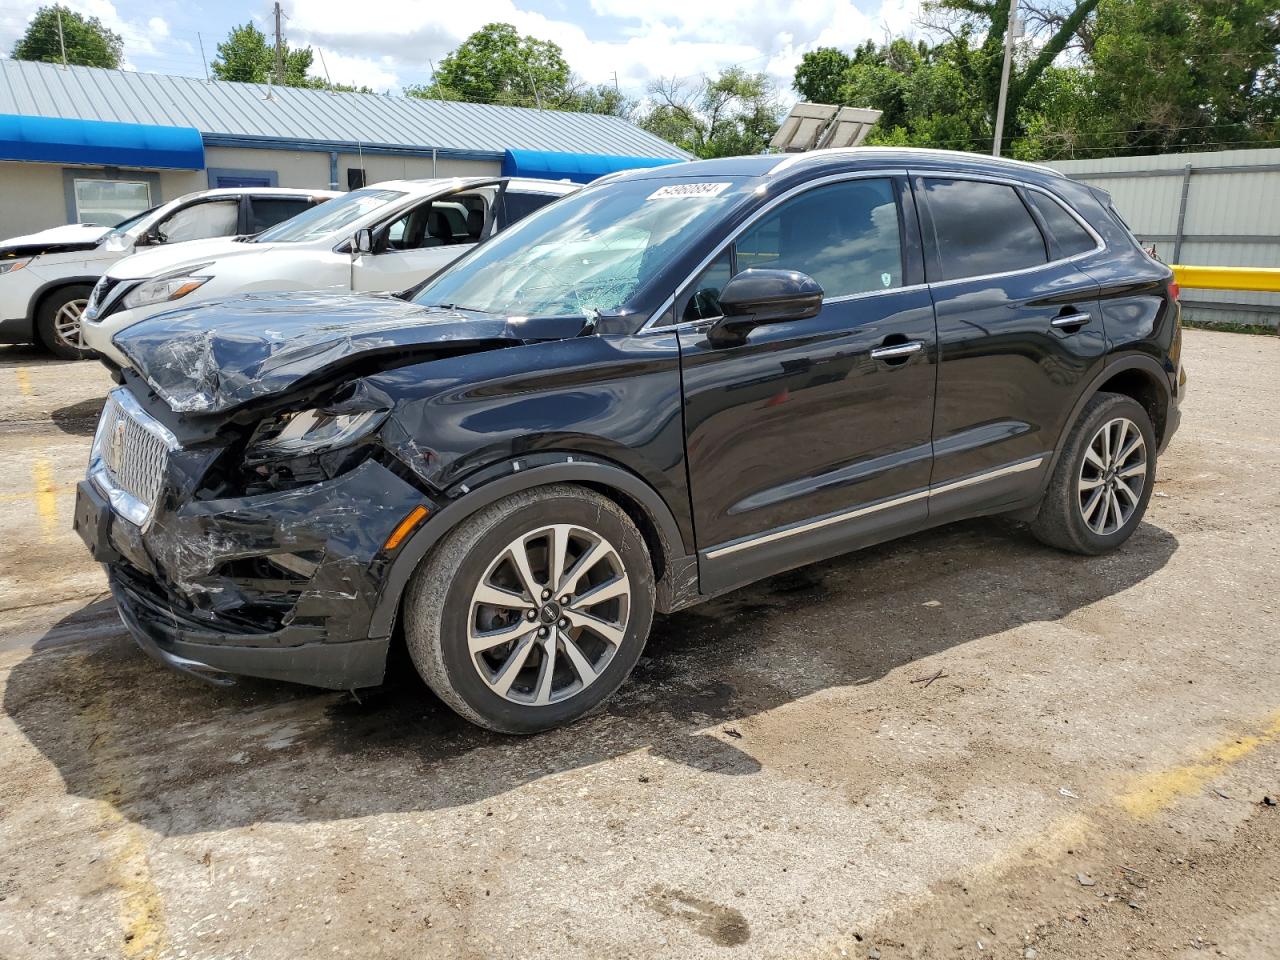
{"x":1100,"y":244}
{"x":881,"y":174}
{"x":933,"y":490}
{"x":895,"y":153}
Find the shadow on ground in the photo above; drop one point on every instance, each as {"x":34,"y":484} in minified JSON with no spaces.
{"x":181,"y":757}
{"x":79,"y":419}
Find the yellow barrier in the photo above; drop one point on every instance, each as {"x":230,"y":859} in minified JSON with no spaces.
{"x":1264,"y":279}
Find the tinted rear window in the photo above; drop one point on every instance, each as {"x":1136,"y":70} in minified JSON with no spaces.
{"x":1064,"y":228}
{"x":982,"y":228}
{"x":517,"y":206}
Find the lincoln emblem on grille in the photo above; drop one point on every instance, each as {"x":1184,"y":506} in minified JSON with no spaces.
{"x":117,"y":444}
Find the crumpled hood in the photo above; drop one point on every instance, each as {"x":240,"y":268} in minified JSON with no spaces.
{"x":215,"y":356}
{"x":74,"y":236}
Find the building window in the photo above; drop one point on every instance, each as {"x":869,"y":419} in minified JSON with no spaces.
{"x":222,"y":177}
{"x":107,"y":202}
{"x":355,"y":178}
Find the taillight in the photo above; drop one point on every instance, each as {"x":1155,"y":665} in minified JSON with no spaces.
{"x":1174,"y":290}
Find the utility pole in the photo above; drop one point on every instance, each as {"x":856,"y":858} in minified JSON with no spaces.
{"x":616,"y":88}
{"x":61,"y":42}
{"x":279,"y":51}
{"x":1010,"y":34}
{"x":203,"y":58}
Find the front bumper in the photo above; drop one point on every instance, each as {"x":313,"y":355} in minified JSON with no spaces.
{"x":281,"y":585}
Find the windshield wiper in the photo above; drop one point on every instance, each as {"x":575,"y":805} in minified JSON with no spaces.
{"x":455,"y":306}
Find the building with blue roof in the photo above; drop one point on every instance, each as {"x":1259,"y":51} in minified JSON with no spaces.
{"x":83,"y":144}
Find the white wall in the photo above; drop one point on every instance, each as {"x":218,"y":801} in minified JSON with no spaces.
{"x":381,"y":167}
{"x":1232,"y":217}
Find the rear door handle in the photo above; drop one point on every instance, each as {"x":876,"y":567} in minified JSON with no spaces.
{"x":897,"y":351}
{"x":1072,"y":320}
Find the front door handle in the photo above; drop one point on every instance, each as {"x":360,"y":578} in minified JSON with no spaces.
{"x":897,"y":351}
{"x":1071,"y":320}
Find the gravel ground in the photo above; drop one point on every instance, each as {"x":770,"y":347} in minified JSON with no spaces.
{"x":959,"y":745}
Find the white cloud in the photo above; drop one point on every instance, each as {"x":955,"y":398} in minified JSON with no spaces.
{"x":379,"y":75}
{"x":658,"y":38}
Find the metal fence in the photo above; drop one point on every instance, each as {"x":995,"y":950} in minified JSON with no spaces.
{"x":1211,"y":209}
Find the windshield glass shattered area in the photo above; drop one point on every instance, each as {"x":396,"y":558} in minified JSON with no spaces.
{"x":588,"y":253}
{"x":320,"y":221}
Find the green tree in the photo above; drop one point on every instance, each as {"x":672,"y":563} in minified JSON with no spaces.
{"x":496,"y":64}
{"x":925,"y":93}
{"x":1055,"y":25}
{"x":1218,"y":83}
{"x":734,"y":113}
{"x":820,"y":74}
{"x":88,"y":42}
{"x":246,"y":57}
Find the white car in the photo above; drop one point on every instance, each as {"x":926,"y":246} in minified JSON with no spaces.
{"x":45,"y":277}
{"x":384,"y":237}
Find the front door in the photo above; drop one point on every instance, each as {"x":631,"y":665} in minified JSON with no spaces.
{"x":1019,"y":335}
{"x":813,"y":436}
{"x":419,"y":243}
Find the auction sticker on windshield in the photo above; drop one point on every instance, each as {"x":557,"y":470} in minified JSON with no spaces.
{"x":674,"y":190}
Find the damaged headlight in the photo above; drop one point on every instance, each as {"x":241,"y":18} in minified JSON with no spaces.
{"x":12,"y":266}
{"x":172,"y":287}
{"x":309,"y":432}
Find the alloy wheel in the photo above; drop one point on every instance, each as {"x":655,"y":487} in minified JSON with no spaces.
{"x":66,"y":323}
{"x":1112,"y":476}
{"x":549,"y":613}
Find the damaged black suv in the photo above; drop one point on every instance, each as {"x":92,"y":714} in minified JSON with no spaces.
{"x":666,"y":386}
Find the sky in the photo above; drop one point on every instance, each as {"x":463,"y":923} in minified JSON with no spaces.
{"x":390,"y":44}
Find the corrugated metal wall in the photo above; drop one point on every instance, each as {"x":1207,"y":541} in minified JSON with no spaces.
{"x":1213,"y":209}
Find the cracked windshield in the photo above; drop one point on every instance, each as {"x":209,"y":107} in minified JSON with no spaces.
{"x":587,"y":254}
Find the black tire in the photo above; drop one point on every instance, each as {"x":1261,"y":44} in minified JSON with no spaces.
{"x":1060,"y":521}
{"x":439,"y":612}
{"x":52,"y":339}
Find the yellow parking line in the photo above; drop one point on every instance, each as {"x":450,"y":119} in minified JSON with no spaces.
{"x":24,"y":382}
{"x":46,"y":497}
{"x":1152,"y":792}
{"x":18,"y":497}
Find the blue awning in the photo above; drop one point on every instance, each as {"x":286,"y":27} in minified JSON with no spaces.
{"x":578,"y":167}
{"x":55,"y":140}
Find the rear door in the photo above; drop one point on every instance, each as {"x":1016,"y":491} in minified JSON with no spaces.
{"x":813,"y":436}
{"x":1019,"y":334}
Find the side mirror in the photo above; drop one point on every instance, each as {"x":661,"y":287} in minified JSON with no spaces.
{"x":148,"y":239}
{"x":756,"y":297}
{"x":362,"y":242}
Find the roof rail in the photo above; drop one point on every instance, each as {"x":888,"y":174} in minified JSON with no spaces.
{"x":794,"y":159}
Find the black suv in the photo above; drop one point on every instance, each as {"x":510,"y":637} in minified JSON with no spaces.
{"x":666,"y":386}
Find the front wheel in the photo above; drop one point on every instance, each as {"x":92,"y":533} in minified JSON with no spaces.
{"x":58,"y":322}
{"x":1103,"y":481}
{"x":533,"y":611}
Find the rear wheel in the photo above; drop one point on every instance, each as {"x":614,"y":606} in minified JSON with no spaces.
{"x":1103,"y":481}
{"x":533,"y":611}
{"x":58,"y":322}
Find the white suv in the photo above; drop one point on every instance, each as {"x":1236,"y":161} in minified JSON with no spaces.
{"x":385,"y":237}
{"x":45,"y":277}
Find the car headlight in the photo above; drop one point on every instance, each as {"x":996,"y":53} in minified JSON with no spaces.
{"x":13,"y":266}
{"x":161,"y":289}
{"x":308,"y":432}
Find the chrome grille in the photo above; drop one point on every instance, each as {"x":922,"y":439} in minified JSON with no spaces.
{"x":129,"y":456}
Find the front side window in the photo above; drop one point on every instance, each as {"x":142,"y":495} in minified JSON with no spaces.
{"x":981,"y":228}
{"x":439,"y":223}
{"x":319,"y":222}
{"x":108,"y":202}
{"x":1070,"y":237}
{"x":845,"y":235}
{"x":597,"y":250}
{"x":704,"y":296}
{"x":213,"y":218}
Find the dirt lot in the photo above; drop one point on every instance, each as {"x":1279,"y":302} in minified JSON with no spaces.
{"x":961,"y":745}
